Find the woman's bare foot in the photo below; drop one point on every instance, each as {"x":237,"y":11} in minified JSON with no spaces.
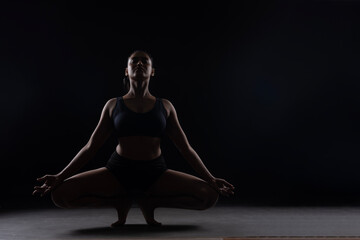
{"x":122,"y":212}
{"x":118,"y":223}
{"x":147,"y":210}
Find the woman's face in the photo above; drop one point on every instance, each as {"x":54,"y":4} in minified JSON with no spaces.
{"x":139,"y":66}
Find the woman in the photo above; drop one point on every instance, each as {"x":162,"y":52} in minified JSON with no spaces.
{"x":136,"y":171}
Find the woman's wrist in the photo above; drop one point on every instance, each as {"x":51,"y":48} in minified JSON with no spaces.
{"x":209,"y":179}
{"x":60,"y":176}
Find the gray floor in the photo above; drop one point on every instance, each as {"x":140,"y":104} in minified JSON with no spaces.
{"x":217,"y":222}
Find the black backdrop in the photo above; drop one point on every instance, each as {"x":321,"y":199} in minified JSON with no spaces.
{"x":266,"y":91}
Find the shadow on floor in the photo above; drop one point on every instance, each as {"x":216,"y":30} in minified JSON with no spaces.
{"x":133,"y":229}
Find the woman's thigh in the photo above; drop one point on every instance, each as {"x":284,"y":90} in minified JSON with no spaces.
{"x":175,"y":183}
{"x":97,"y":182}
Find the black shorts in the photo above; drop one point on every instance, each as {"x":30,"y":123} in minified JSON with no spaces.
{"x":136,"y":175}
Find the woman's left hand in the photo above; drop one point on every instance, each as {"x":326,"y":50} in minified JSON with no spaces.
{"x":222,"y":186}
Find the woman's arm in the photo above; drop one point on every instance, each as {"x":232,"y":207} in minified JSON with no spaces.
{"x":101,"y":133}
{"x":99,"y":136}
{"x":177,"y":135}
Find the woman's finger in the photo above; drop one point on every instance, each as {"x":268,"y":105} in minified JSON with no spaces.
{"x":41,"y":178}
{"x":223,"y":187}
{"x":225,"y":193}
{"x":219,"y":184}
{"x":215,"y":186}
{"x":37,"y":191}
{"x":228,"y":191}
{"x":228,"y":185}
{"x":46,"y":191}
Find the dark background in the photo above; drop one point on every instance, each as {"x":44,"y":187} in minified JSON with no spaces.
{"x":267,"y":92}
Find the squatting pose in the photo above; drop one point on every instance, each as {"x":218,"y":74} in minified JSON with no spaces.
{"x":136,"y":170}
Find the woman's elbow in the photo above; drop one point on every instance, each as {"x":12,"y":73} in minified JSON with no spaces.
{"x":91,"y":147}
{"x":185,"y":150}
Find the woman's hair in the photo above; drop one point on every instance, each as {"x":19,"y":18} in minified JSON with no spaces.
{"x":126,"y":81}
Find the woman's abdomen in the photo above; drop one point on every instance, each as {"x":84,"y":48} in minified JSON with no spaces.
{"x":139,"y":147}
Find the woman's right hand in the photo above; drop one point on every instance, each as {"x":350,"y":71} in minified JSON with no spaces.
{"x":49,"y":183}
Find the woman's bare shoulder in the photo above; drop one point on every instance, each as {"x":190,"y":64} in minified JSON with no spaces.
{"x":112,"y":100}
{"x":170,"y":109}
{"x":110,"y":104}
{"x":167,"y":104}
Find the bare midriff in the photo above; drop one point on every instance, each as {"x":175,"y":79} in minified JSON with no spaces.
{"x":139,"y":147}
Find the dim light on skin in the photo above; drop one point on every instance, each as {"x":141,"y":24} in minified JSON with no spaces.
{"x":139,"y":66}
{"x":139,"y":70}
{"x":82,"y":189}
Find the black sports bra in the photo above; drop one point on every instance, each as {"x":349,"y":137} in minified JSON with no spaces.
{"x":130,"y":123}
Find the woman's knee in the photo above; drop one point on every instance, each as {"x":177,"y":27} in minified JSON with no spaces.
{"x":57,"y":199}
{"x":209,"y":197}
{"x":60,"y":197}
